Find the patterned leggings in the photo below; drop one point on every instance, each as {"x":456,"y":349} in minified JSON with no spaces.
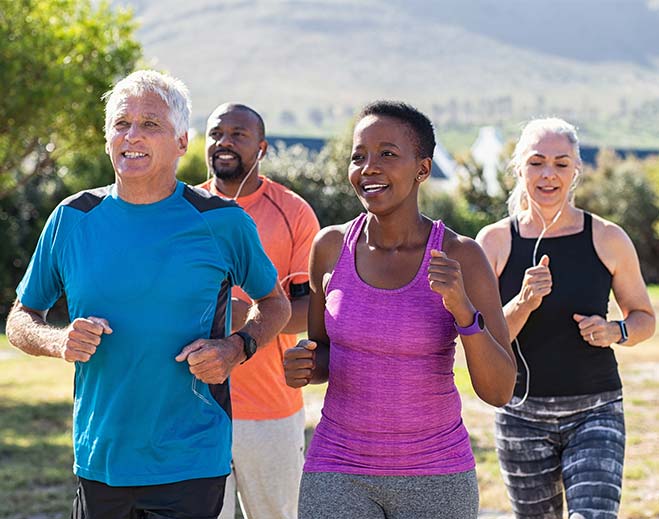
{"x":552,"y":444}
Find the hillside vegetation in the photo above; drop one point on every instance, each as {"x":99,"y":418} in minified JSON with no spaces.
{"x":307,"y":65}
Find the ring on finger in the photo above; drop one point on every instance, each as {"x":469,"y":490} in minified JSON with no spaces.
{"x":592,"y":337}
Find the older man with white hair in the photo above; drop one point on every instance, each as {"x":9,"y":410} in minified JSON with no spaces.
{"x":147,"y":265}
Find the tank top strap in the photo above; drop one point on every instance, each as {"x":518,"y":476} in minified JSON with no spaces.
{"x":353,"y":232}
{"x":588,"y":225}
{"x":436,"y":240}
{"x":514,"y":227}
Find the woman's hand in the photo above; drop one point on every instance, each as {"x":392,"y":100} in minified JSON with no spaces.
{"x":597,"y":331}
{"x":536,"y":285}
{"x":299,"y":363}
{"x":445,"y":277}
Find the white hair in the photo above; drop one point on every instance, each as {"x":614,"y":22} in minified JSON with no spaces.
{"x":170,"y":89}
{"x":517,"y":201}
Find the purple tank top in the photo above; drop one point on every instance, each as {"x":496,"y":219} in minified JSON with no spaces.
{"x":391,"y":408}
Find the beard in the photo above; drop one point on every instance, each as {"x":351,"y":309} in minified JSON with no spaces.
{"x":229,"y":173}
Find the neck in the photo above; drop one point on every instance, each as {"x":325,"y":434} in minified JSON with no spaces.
{"x":540,"y":218}
{"x":391,"y":232}
{"x":144,"y":191}
{"x":230,"y":188}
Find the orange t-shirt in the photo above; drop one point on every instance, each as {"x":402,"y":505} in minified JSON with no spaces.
{"x":287,"y":226}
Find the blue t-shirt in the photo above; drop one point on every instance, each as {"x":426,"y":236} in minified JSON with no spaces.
{"x":161,"y":274}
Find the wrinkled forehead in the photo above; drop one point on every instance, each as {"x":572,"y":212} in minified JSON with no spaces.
{"x":147,"y":103}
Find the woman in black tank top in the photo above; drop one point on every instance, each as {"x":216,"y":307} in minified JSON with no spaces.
{"x":563,"y":431}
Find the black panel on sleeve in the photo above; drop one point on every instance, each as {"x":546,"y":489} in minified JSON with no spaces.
{"x":85,"y":201}
{"x":202,"y":200}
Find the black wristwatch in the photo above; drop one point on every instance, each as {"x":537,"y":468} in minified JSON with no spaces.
{"x":249,"y":344}
{"x":623,"y":332}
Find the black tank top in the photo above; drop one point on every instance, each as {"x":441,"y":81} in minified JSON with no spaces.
{"x":560,"y":361}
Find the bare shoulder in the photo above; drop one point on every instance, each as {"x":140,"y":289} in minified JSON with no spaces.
{"x":477,"y":272}
{"x":327,"y":246}
{"x":606,"y":230}
{"x":331,"y":236}
{"x":462,"y":248}
{"x":495,"y":234}
{"x":496,"y":242}
{"x":612,"y":244}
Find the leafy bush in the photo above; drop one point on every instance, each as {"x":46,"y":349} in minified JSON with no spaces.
{"x":621,"y":190}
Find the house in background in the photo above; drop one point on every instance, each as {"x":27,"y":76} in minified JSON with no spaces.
{"x":589,"y":153}
{"x":486,"y":151}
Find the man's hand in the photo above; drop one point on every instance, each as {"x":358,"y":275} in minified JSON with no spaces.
{"x":82,"y":337}
{"x":299,"y":363}
{"x":211,"y":360}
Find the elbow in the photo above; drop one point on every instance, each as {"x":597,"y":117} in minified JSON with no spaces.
{"x":498,"y":398}
{"x":499,"y":392}
{"x":11,"y":328}
{"x":652,"y":325}
{"x":502,"y":399}
{"x":10,"y":332}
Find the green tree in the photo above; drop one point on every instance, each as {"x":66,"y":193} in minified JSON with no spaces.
{"x":620,"y":190}
{"x":320,"y":178}
{"x":57,"y":58}
{"x":192,"y":166}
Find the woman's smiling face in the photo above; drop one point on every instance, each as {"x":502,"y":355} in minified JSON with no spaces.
{"x":548,"y":169}
{"x":384,"y":162}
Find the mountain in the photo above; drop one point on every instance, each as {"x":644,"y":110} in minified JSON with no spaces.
{"x":307,"y":65}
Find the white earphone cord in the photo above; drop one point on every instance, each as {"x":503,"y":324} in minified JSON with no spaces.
{"x":545,"y":228}
{"x":240,"y":187}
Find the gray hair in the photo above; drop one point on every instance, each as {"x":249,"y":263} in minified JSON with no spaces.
{"x":517,"y":201}
{"x":170,"y":89}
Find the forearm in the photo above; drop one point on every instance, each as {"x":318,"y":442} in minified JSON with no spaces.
{"x":298,"y":321}
{"x":492,"y":368}
{"x":266,"y":319}
{"x":640,"y":326}
{"x":516,"y":314}
{"x":29,"y":332}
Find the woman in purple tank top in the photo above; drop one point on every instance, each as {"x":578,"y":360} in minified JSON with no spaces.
{"x":390,"y":292}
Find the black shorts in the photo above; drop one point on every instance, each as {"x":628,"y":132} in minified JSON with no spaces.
{"x":190,"y":499}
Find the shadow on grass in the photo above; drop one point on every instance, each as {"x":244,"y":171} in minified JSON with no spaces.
{"x":35,"y":459}
{"x":39,"y":419}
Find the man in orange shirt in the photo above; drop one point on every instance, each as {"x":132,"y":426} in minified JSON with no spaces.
{"x":268,"y":416}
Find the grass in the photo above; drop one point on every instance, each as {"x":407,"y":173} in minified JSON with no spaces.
{"x":36,"y":481}
{"x":35,"y":436}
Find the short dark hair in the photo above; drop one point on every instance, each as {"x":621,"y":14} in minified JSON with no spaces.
{"x":237,"y":106}
{"x":422,"y":129}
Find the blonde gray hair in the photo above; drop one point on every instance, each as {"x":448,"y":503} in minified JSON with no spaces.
{"x":517,"y":201}
{"x":171,"y":90}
